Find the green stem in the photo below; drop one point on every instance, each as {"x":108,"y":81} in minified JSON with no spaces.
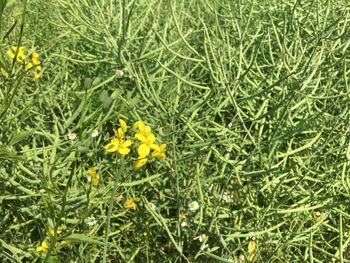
{"x":61,"y":214}
{"x":110,"y":209}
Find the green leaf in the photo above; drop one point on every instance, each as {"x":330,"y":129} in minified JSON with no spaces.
{"x":105,"y":99}
{"x":2,"y":6}
{"x":87,"y":83}
{"x":96,"y":81}
{"x":16,"y":252}
{"x":7,"y":154}
{"x":83,"y":238}
{"x":19,"y":137}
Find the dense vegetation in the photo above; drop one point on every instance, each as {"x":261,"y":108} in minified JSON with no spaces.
{"x":242,"y":154}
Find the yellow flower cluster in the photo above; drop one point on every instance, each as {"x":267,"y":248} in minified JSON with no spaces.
{"x":59,"y":230}
{"x":43,"y":247}
{"x":119,"y":144}
{"x":31,"y":62}
{"x":131,"y":203}
{"x":94,"y":178}
{"x":146,"y":142}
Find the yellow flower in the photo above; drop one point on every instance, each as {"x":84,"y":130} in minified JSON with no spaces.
{"x":139,"y":163}
{"x":29,"y":66}
{"x":43,"y":247}
{"x":131,"y":203}
{"x":20,"y":55}
{"x":119,"y":145}
{"x":123,"y":125}
{"x":93,"y":176}
{"x":35,"y":67}
{"x":35,"y":58}
{"x":120,"y":132}
{"x":159,"y":151}
{"x":142,"y":129}
{"x":59,"y":230}
{"x":147,"y":144}
{"x":251,"y":249}
{"x":37,"y":71}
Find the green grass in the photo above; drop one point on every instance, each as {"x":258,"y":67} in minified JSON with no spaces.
{"x":251,"y":98}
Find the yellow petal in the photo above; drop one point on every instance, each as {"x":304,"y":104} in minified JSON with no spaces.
{"x":147,"y":130}
{"x":138,"y":125}
{"x":251,"y":249}
{"x":43,"y":247}
{"x":155,"y":147}
{"x":119,"y":134}
{"x":95,"y":179}
{"x":35,"y":55}
{"x":159,"y":151}
{"x":36,"y":74}
{"x":29,"y":66}
{"x":10,"y":54}
{"x":20,"y":55}
{"x":124,"y":150}
{"x":92,"y":171}
{"x":123,"y":125}
{"x":112,"y":147}
{"x":127,"y":143}
{"x":150,"y":139}
{"x":143,"y":150}
{"x":36,"y":62}
{"x":139,"y":163}
{"x":156,"y":154}
{"x":140,"y":137}
{"x":130,"y":203}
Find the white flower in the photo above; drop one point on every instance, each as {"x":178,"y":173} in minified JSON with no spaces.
{"x":183,"y":224}
{"x":201,"y":238}
{"x":193,"y":206}
{"x":72,"y":136}
{"x":119,"y":73}
{"x":91,"y":221}
{"x":227,"y":197}
{"x":94,"y":133}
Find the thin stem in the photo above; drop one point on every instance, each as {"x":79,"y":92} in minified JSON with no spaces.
{"x":110,"y":209}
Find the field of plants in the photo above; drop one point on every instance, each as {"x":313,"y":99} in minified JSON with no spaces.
{"x":175,"y":131}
